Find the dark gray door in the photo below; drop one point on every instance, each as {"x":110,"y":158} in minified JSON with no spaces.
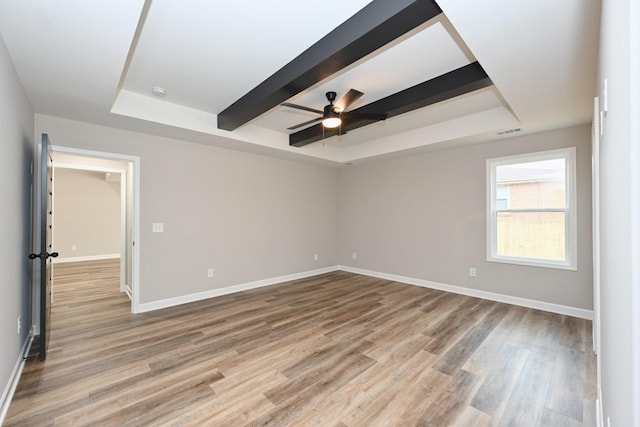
{"x":44,"y":257}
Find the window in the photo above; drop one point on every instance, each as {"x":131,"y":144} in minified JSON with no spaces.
{"x":531,"y":218}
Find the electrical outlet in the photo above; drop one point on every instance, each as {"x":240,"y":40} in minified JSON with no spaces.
{"x":315,"y":257}
{"x":472,"y":272}
{"x":74,"y":248}
{"x":210,"y":273}
{"x":157,"y":227}
{"x":354,"y":255}
{"x":19,"y":324}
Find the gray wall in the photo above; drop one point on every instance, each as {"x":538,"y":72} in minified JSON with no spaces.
{"x":249,"y":217}
{"x":17,"y":148}
{"x":86,"y":214}
{"x":252,"y":217}
{"x":424,"y":217}
{"x":620,"y":213}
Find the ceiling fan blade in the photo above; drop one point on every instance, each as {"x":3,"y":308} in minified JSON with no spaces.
{"x":347,"y":99}
{"x":305,"y":123}
{"x":301,"y":107}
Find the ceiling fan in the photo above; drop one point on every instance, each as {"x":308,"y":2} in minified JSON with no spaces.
{"x":334,"y":114}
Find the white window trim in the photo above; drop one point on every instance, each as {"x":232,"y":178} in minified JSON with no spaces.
{"x":571,"y":237}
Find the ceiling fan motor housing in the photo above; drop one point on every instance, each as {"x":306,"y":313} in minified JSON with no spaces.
{"x":329,"y":110}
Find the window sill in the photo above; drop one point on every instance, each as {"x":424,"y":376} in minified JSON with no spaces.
{"x":534,"y":263}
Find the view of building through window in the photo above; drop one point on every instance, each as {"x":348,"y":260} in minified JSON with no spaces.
{"x":531,"y":208}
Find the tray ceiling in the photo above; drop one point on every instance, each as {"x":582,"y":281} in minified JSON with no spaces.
{"x":98,"y":62}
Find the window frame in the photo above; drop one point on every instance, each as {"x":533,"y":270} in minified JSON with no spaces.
{"x":571,"y":243}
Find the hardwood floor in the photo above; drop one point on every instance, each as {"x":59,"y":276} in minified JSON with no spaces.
{"x":333,"y":350}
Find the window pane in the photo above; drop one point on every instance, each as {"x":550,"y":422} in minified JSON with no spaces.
{"x":502,"y":197}
{"x":538,"y":235}
{"x":538,"y":184}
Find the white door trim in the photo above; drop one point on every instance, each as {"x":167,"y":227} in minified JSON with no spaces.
{"x":595,"y":188}
{"x":135,"y":161}
{"x":596,"y":131}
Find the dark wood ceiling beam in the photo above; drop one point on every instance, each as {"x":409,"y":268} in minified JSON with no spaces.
{"x":457,"y":82}
{"x":377,"y":24}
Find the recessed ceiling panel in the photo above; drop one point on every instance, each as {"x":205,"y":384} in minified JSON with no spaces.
{"x":381,"y":74}
{"x":207,"y":54}
{"x":542,"y":55}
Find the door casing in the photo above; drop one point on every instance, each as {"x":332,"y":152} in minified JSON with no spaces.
{"x":134,"y":197}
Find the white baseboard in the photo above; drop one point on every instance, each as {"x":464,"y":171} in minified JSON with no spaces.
{"x":508,"y":299}
{"x":85,"y":258}
{"x":599,"y":415}
{"x":524,"y":302}
{"x":14,"y":379}
{"x":170,"y":302}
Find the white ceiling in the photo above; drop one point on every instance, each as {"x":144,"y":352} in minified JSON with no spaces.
{"x":97,"y":62}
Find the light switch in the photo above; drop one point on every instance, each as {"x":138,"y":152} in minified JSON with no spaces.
{"x":157,"y":227}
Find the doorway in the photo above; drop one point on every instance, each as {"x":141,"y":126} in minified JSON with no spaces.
{"x":122,"y":171}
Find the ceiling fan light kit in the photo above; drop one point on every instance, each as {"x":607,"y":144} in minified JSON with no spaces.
{"x":332,"y":120}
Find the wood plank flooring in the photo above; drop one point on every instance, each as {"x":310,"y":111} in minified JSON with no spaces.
{"x":332,"y":350}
